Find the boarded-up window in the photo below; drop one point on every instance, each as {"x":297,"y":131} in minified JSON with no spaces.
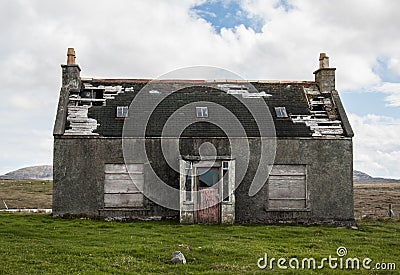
{"x":287,"y":187}
{"x":122,"y":186}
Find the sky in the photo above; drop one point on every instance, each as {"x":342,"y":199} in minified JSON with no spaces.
{"x":256,"y":39}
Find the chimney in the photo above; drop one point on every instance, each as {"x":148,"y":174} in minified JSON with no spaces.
{"x":71,"y":72}
{"x":71,"y":56}
{"x":325,"y":76}
{"x":71,"y":84}
{"x":323,"y":61}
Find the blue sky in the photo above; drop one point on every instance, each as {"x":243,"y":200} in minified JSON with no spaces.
{"x":227,"y":14}
{"x":256,"y":39}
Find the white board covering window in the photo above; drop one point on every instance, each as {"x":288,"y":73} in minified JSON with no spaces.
{"x":287,"y":187}
{"x":122,"y":188}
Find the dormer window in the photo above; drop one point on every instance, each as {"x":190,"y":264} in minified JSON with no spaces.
{"x":201,"y":112}
{"x":122,"y":111}
{"x":281,"y":112}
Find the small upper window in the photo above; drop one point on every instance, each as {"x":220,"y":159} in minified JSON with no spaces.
{"x":281,"y":112}
{"x":122,"y":111}
{"x":201,"y":111}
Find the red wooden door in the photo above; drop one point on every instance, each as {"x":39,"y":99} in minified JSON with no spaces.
{"x":208,"y":206}
{"x":207,"y":200}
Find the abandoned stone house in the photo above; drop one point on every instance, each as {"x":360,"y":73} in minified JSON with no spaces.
{"x":308,"y":179}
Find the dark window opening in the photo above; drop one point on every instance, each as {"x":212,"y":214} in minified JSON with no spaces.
{"x":225,"y":181}
{"x":188,"y":181}
{"x":207,"y":177}
{"x":188,"y":186}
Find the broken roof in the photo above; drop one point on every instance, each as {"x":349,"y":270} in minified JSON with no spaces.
{"x":200,"y":108}
{"x":307,"y":111}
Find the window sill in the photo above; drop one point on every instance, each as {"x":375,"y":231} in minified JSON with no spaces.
{"x":289,"y":210}
{"x":126,"y":208}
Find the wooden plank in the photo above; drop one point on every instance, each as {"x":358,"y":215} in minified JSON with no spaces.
{"x":208,"y":206}
{"x":290,"y":188}
{"x":122,"y":186}
{"x":288,"y":170}
{"x":287,"y":204}
{"x":123,"y":200}
{"x":135,"y":168}
{"x":287,"y":178}
{"x":122,"y":168}
{"x":123,"y":176}
{"x":88,"y":99}
{"x":115,"y":168}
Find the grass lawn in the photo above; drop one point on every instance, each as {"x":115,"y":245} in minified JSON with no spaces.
{"x":41,"y":244}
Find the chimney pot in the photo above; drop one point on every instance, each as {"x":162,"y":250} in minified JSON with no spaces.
{"x":71,"y":56}
{"x":323,"y":61}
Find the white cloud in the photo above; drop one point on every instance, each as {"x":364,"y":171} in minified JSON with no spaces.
{"x":376,"y":145}
{"x":150,"y":38}
{"x":393,"y":91}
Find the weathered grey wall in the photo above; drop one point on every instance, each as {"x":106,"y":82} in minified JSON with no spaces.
{"x":329,"y":183}
{"x":79,"y":178}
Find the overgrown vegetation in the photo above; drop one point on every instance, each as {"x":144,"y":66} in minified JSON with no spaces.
{"x":25,"y":193}
{"x":41,"y":244}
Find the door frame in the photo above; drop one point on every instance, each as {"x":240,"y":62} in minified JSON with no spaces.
{"x":188,"y":199}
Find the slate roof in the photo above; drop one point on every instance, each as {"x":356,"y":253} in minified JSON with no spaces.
{"x":294,"y":96}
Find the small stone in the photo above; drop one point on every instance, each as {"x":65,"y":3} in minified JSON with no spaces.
{"x":354,"y":227}
{"x":178,"y":258}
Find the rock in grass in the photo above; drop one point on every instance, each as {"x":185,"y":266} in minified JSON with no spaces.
{"x":178,"y":258}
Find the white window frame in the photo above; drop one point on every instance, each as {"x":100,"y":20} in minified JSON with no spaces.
{"x":201,"y":112}
{"x":122,"y":111}
{"x":281,"y":112}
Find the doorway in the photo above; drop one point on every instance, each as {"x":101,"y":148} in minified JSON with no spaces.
{"x":206,"y":190}
{"x":208,"y":206}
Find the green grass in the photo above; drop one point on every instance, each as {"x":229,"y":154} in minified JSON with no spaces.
{"x":41,"y":244}
{"x":25,"y":193}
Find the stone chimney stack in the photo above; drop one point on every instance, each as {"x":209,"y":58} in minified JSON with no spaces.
{"x":325,"y":76}
{"x":71,"y":72}
{"x":71,"y":84}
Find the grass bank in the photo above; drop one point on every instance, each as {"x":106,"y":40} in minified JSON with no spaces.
{"x":40,"y":244}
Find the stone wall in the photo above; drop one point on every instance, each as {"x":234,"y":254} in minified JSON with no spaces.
{"x":79,"y":178}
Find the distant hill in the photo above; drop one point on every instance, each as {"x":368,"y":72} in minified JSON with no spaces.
{"x":363,"y":177}
{"x":41,"y":172}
